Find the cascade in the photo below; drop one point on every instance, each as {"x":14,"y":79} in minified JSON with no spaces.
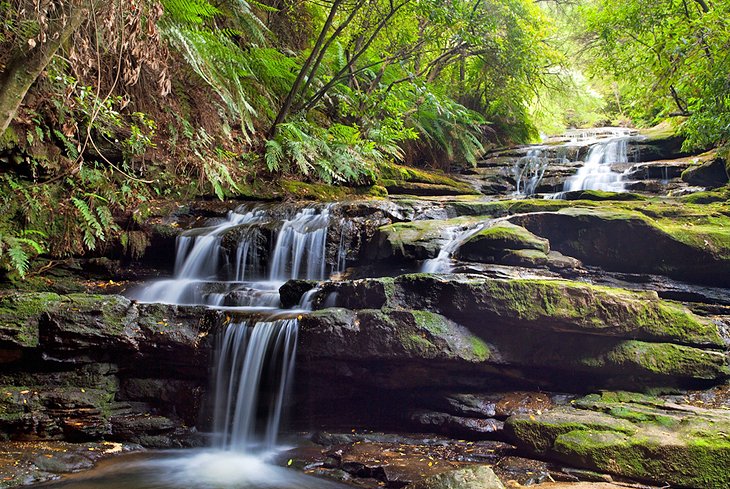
{"x":227,"y":265}
{"x":455,"y":237}
{"x":208,"y":272}
{"x":253,"y":367}
{"x":529,"y":170}
{"x":596,"y":173}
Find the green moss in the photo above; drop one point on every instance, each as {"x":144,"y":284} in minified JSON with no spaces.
{"x":664,"y":359}
{"x":709,"y":197}
{"x":480,"y":349}
{"x":583,"y":307}
{"x":644,"y":440}
{"x":599,"y":195}
{"x":434,"y":323}
{"x":312,"y":191}
{"x":19,"y":314}
{"x":392,"y":175}
{"x":9,"y":139}
{"x":508,"y":236}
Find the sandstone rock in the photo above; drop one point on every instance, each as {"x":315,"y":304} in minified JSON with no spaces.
{"x":628,"y":241}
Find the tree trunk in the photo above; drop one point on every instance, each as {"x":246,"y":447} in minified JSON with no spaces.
{"x":299,"y":82}
{"x":25,"y":67}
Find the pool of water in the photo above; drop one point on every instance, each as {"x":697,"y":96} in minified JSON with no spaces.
{"x":190,"y":469}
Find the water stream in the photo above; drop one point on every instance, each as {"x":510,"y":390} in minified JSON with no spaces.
{"x":229,"y":265}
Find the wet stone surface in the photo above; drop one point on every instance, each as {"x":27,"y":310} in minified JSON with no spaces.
{"x":23,"y":463}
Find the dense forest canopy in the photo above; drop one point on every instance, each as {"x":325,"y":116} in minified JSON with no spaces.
{"x":108,"y":105}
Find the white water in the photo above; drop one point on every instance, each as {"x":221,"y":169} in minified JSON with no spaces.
{"x":226,"y":265}
{"x":455,"y":237}
{"x":597,"y":173}
{"x":207,"y":273}
{"x":253,"y":369}
{"x":529,"y":170}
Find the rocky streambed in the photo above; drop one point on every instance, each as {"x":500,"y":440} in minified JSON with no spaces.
{"x":581,"y":340}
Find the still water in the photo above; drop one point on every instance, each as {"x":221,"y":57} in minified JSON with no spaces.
{"x":190,"y":469}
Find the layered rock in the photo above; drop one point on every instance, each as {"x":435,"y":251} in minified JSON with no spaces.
{"x":633,"y":436}
{"x":546,"y":333}
{"x":84,"y":367}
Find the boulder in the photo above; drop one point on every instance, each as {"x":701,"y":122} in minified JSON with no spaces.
{"x":476,"y":477}
{"x":711,"y":173}
{"x":632,"y":436}
{"x":494,"y":240}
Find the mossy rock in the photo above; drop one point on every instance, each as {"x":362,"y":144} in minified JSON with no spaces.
{"x":398,"y":179}
{"x":599,"y":195}
{"x":708,"y":197}
{"x":493,"y":243}
{"x":712,"y":172}
{"x":384,"y":337}
{"x":416,"y":240}
{"x":19,"y":315}
{"x":632,"y":436}
{"x":689,"y":244}
{"x":558,"y":305}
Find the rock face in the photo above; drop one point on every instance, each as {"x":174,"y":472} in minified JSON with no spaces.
{"x":84,"y":367}
{"x":711,"y":173}
{"x":632,"y":242}
{"x":471,"y":331}
{"x":633,"y":436}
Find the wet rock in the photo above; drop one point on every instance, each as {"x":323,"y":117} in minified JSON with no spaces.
{"x":556,"y":305}
{"x":292,"y":291}
{"x":19,"y":316}
{"x":494,"y":241}
{"x":477,"y":332}
{"x":633,"y":436}
{"x":599,"y":195}
{"x":478,"y":477}
{"x":387,"y":334}
{"x":81,"y":324}
{"x":417,"y":240}
{"x":499,"y":405}
{"x":23,"y":463}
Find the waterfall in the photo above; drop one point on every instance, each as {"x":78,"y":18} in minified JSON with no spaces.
{"x":529,"y":170}
{"x":455,"y":237}
{"x":596,"y":173}
{"x":226,"y":265}
{"x":254,"y":365}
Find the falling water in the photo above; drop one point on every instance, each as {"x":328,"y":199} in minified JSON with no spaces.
{"x":207,"y":273}
{"x":596,"y":173}
{"x":529,"y":170}
{"x":226,"y":265}
{"x":253,"y":369}
{"x":455,"y":237}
